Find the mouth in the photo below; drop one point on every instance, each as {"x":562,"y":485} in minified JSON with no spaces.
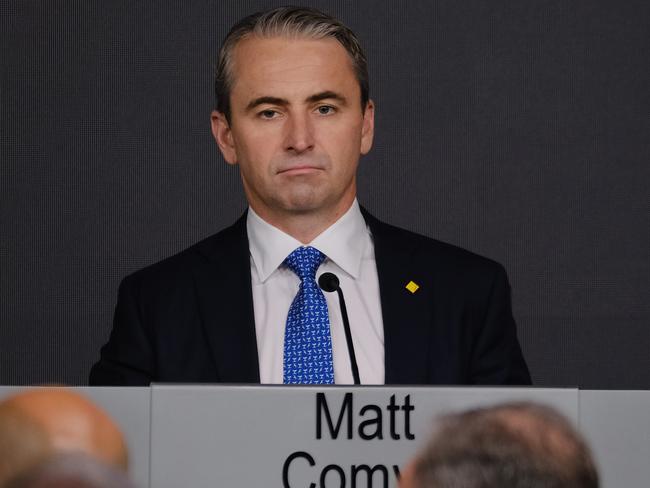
{"x":299,"y":170}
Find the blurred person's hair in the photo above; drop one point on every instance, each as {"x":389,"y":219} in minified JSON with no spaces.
{"x":71,"y":470}
{"x":517,"y":445}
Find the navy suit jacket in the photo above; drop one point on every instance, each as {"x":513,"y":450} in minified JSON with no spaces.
{"x":189,"y":318}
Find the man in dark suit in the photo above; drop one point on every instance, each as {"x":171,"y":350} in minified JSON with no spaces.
{"x":293,"y":113}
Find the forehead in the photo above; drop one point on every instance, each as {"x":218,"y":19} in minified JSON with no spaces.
{"x":272,"y":64}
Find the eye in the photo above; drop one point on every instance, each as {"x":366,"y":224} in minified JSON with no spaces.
{"x":268,"y":114}
{"x":326,"y":110}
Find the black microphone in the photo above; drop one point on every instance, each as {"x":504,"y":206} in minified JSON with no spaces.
{"x":329,"y":283}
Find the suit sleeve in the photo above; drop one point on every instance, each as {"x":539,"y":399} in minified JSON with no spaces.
{"x":127,"y":359}
{"x":496,"y":355}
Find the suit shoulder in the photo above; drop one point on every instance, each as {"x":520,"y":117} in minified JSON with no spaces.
{"x":440,"y":254}
{"x":200,"y":253}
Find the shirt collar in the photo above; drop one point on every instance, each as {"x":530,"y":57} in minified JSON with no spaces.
{"x":343,"y":242}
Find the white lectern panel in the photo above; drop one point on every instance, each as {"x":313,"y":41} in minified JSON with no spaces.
{"x":617,"y":427}
{"x":254,"y":436}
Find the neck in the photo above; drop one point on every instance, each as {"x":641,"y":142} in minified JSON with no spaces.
{"x":305,"y":226}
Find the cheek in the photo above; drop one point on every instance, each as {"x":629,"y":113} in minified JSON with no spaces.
{"x":255,"y":150}
{"x":343,"y":144}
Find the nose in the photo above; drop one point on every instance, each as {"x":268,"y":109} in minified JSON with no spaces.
{"x":299,"y":133}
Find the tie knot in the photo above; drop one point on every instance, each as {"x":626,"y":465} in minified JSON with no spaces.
{"x":304,"y":261}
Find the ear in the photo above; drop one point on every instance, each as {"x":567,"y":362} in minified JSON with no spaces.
{"x":223,"y":136}
{"x":407,"y":476}
{"x":368,"y":128}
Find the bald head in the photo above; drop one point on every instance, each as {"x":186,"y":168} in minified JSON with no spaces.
{"x":520,"y":445}
{"x":23,"y":443}
{"x":39,"y":422}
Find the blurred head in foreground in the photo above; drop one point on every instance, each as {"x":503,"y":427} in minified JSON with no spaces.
{"x":72,"y":470}
{"x":519,"y":445}
{"x":38,"y":423}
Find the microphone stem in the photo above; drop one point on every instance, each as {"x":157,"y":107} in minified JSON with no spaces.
{"x":348,"y":338}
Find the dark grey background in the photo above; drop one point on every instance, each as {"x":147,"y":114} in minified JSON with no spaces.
{"x":519,"y":130}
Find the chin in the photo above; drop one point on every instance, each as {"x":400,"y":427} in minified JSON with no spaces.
{"x":303,"y":202}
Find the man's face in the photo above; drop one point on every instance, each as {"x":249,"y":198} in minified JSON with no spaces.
{"x":296,"y":128}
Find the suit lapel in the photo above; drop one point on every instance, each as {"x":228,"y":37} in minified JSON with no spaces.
{"x":223,"y":287}
{"x":406,"y":315}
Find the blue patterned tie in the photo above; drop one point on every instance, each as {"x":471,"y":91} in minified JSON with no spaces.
{"x":307,"y":341}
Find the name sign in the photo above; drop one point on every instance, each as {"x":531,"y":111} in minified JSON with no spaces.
{"x":306,"y":437}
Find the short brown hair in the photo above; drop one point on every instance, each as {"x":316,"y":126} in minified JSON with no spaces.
{"x":288,"y":22}
{"x":516,"y":445}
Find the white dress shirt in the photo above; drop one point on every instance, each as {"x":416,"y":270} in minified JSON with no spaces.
{"x":350,"y":255}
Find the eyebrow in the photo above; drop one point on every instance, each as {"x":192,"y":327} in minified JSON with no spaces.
{"x":326,"y":95}
{"x":262,"y":100}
